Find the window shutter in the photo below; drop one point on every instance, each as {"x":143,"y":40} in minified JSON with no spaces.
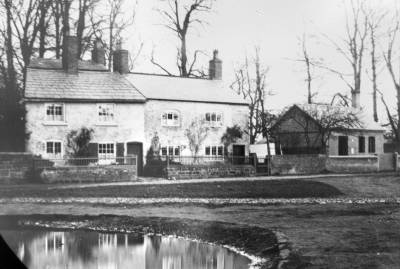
{"x":120,"y":149}
{"x":93,"y":150}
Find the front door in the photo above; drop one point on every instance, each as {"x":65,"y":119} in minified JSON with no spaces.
{"x":136,"y":148}
{"x":343,"y":145}
{"x":239,"y":153}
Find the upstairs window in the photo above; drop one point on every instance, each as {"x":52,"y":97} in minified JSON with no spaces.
{"x":170,"y":118}
{"x":371,"y":144}
{"x":361,"y":144}
{"x":214,"y":151}
{"x":55,"y":112}
{"x":105,"y":113}
{"x":213,"y":119}
{"x":54,"y":149}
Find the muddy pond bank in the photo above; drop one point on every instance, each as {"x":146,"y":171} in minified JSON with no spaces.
{"x":259,"y":243}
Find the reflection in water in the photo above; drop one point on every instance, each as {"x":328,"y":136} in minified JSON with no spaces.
{"x":77,"y":249}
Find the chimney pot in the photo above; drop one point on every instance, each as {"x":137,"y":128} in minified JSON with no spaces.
{"x":120,"y":59}
{"x":70,"y":54}
{"x":215,"y":67}
{"x":98,"y":52}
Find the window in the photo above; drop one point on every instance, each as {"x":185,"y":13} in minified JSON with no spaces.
{"x":55,"y":242}
{"x":213,"y":119}
{"x":106,"y":153}
{"x":371,"y":144}
{"x":170,"y":151}
{"x":55,"y":112}
{"x":170,"y":118}
{"x":361,"y":144}
{"x":105,"y":113}
{"x":53,"y":149}
{"x":214,"y":150}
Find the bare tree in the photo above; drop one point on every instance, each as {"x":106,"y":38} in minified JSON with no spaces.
{"x":25,"y":20}
{"x":180,"y":18}
{"x":353,"y":48}
{"x":44,"y":22}
{"x":250,"y":82}
{"x":196,"y":133}
{"x":12,"y":118}
{"x":85,"y":31}
{"x":309,"y":64}
{"x":57,"y":12}
{"x":374,"y":20}
{"x":390,"y":64}
{"x":116,"y":24}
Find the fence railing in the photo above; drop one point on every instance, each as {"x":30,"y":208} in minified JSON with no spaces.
{"x":84,"y":162}
{"x":201,"y":160}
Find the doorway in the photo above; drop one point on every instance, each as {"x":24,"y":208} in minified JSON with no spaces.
{"x":239,"y":154}
{"x":343,"y":145}
{"x":136,"y":148}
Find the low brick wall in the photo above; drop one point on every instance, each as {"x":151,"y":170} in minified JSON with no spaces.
{"x":109,"y":173}
{"x":197,"y":171}
{"x":353,"y":164}
{"x":15,"y":167}
{"x":298,"y":164}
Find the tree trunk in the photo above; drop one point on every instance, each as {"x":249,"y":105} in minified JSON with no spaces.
{"x":183,"y":68}
{"x":42,"y":28}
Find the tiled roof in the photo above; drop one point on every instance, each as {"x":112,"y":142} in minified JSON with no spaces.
{"x":161,"y":87}
{"x":367,"y":121}
{"x":57,"y":64}
{"x":46,"y":84}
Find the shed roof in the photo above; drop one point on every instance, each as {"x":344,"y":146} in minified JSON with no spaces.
{"x":366,"y":121}
{"x":160,"y":87}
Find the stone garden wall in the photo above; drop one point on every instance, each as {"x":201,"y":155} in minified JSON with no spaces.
{"x":108,"y":173}
{"x":352,"y":164}
{"x":199,"y":171}
{"x":316,"y":164}
{"x":298,"y":164}
{"x":15,"y":167}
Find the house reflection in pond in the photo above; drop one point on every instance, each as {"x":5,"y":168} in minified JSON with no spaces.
{"x":91,"y":250}
{"x":175,"y":253}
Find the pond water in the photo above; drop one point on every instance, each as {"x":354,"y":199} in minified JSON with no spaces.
{"x":40,"y":249}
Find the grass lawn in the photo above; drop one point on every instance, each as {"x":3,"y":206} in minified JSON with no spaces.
{"x":233,"y":189}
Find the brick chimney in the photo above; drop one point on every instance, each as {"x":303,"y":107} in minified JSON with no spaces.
{"x":70,"y":54}
{"x":98,"y":52}
{"x":120,"y":59}
{"x":215,"y":67}
{"x":355,"y":99}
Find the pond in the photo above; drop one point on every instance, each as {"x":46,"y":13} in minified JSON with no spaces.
{"x":40,"y":249}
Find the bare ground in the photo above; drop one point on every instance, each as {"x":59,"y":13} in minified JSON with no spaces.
{"x":328,"y":236}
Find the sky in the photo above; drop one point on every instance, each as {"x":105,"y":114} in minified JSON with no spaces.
{"x":236,"y":27}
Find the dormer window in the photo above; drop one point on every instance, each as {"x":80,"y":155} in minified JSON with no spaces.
{"x":105,"y":113}
{"x":213,"y":119}
{"x":170,"y":118}
{"x":55,"y":112}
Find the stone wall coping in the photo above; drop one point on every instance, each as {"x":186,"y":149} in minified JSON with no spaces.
{"x":354,"y":157}
{"x":15,"y":153}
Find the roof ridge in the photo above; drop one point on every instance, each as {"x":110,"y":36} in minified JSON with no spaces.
{"x":170,"y":76}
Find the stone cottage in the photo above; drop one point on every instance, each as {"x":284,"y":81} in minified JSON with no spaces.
{"x":173,"y":103}
{"x":125,"y":110}
{"x":298,"y":131}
